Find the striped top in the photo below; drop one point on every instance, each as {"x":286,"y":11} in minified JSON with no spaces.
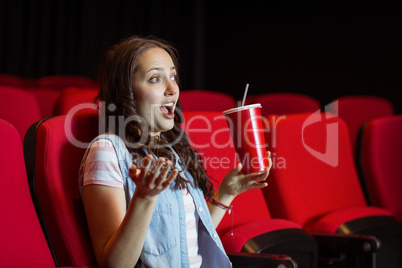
{"x":192,"y":219}
{"x":102,"y":168}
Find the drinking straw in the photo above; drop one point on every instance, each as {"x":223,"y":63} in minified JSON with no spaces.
{"x":245,"y":95}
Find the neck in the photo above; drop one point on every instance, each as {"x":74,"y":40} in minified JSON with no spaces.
{"x":155,"y":134}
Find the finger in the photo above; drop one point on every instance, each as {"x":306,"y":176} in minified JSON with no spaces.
{"x":132,"y":171}
{"x":265,"y":174}
{"x":258,"y":176}
{"x":171,"y":178}
{"x":165,"y":170}
{"x":262,"y":177}
{"x":157,"y":166}
{"x":236,"y":170}
{"x":152,"y":178}
{"x":258,"y":173}
{"x":258,"y":185}
{"x":146,"y":164}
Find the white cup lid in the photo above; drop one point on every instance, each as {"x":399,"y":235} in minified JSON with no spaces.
{"x":245,"y":107}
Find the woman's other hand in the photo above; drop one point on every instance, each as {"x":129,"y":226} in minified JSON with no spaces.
{"x":235,"y":182}
{"x":152,"y":181}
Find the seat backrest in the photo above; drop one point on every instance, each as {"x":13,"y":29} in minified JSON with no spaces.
{"x":12,"y":80}
{"x":47,"y":100}
{"x":23,"y":242}
{"x":285,"y":103}
{"x":19,"y":107}
{"x":209,"y":134}
{"x":380,"y":159}
{"x":313,"y":167}
{"x":60,"y":82}
{"x":205,"y":100}
{"x":73,"y":96}
{"x":356,"y":110}
{"x":53,"y":151}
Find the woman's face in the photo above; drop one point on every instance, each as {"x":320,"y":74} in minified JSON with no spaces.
{"x":156,"y":89}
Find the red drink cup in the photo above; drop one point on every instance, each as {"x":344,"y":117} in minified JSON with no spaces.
{"x":246,"y":129}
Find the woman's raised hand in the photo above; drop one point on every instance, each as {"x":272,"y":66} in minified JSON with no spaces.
{"x":152,"y":181}
{"x":235,"y":182}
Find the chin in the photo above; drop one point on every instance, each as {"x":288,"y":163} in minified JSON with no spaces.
{"x":166,"y":127}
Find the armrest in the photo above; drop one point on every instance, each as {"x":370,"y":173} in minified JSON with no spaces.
{"x":245,"y":259}
{"x":334,"y":248}
{"x":350,"y":243}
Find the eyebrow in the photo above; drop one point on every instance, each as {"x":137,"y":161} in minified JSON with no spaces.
{"x":160,"y":69}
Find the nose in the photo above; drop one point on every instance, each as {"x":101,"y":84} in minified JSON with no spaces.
{"x":171,"y":88}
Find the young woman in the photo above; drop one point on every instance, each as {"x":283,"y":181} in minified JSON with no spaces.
{"x":143,"y":187}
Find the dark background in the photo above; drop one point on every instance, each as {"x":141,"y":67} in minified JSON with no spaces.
{"x":325,"y":49}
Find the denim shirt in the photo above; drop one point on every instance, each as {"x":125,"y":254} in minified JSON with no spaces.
{"x":166,"y":242}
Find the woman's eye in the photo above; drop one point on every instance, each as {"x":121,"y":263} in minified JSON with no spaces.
{"x":154,"y":79}
{"x":174,"y":78}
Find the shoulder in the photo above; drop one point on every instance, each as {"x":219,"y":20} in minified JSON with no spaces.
{"x":110,"y":146}
{"x":118,"y":142}
{"x":109,"y":138}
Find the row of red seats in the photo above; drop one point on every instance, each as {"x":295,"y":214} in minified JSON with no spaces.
{"x":313,"y":183}
{"x":306,"y":194}
{"x":47,"y":89}
{"x":303,"y":239}
{"x":355,"y":110}
{"x":54,"y":82}
{"x":57,"y":95}
{"x":44,"y":221}
{"x":31,"y":99}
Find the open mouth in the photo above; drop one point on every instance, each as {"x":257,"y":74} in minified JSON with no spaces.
{"x":167,"y":109}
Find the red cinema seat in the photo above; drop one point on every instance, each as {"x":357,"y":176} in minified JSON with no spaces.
{"x":250,"y":227}
{"x":53,"y":151}
{"x":314,"y":183}
{"x":380,"y":158}
{"x":47,"y":100}
{"x":19,"y":107}
{"x":11,"y":80}
{"x":60,"y":82}
{"x":357,"y":110}
{"x":23,"y":242}
{"x":205,"y":100}
{"x":285,"y":103}
{"x":73,"y":96}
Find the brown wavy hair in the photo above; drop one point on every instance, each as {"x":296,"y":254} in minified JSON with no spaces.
{"x":119,"y":108}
